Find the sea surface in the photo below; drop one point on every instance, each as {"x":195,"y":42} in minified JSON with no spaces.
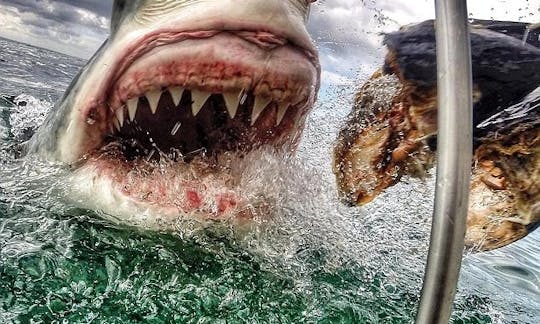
{"x":317,"y":261}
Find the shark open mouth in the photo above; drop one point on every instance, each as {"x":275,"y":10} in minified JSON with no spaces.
{"x":183,"y":114}
{"x":182,"y":123}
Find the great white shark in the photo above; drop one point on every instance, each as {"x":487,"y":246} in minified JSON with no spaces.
{"x":177,"y":97}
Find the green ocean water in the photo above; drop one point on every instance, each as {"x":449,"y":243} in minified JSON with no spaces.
{"x":66,"y":264}
{"x":311,"y":260}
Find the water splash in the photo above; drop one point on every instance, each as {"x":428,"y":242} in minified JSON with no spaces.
{"x":309,"y":259}
{"x":27,"y":114}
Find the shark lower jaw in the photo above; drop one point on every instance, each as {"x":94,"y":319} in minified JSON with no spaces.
{"x":175,"y":117}
{"x":150,"y":192}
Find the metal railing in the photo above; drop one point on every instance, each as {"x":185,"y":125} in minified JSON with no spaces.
{"x":454,"y":80}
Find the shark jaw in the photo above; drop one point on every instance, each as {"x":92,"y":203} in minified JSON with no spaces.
{"x":162,"y":120}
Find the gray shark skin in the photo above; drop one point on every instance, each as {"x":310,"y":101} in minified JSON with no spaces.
{"x":247,"y":71}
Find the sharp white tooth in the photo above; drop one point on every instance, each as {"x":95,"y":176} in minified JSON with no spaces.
{"x":258,"y":107}
{"x":198,"y":99}
{"x":232,"y":99}
{"x":282,"y":109}
{"x":176,"y":94}
{"x":132,"y":107}
{"x":116,"y":123}
{"x":153,"y":99}
{"x":120,"y":115}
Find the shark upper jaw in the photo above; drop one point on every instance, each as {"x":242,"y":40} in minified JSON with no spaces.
{"x":274,"y":25}
{"x":230,"y":72}
{"x":195,"y":100}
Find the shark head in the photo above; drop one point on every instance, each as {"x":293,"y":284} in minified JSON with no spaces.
{"x":179,"y":92}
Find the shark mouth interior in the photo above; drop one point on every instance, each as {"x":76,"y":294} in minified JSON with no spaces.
{"x":190,"y":103}
{"x":181,"y":123}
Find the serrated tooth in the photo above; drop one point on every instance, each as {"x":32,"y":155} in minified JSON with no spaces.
{"x":232,"y":100}
{"x":198,"y":99}
{"x":282,"y":109}
{"x":132,"y":107}
{"x":153,"y":99}
{"x":120,"y":115}
{"x":258,"y":107}
{"x":116,"y":123}
{"x":176,"y":94}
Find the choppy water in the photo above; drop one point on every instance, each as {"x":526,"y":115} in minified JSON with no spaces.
{"x":316,"y":261}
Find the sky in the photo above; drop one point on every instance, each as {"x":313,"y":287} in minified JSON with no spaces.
{"x":347,"y":32}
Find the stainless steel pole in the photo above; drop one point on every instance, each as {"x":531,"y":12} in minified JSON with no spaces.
{"x":454,"y":162}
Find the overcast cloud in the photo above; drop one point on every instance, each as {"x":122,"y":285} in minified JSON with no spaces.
{"x":74,"y":27}
{"x":347,"y":32}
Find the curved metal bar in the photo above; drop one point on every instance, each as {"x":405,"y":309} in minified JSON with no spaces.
{"x":454,"y":162}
